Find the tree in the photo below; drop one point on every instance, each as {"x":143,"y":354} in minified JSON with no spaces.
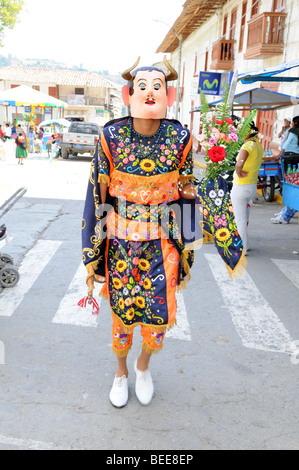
{"x":9,"y":11}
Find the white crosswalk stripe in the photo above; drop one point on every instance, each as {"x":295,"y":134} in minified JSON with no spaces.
{"x":69,"y":313}
{"x":182,"y":328}
{"x":290,"y":268}
{"x":31,"y":268}
{"x":256,"y":323}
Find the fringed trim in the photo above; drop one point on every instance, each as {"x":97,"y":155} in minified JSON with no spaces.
{"x":207,"y":237}
{"x":195,"y":245}
{"x":122,"y":353}
{"x":104,"y":179}
{"x":185,"y":264}
{"x":239,"y":269}
{"x":184,"y":179}
{"x":149,"y":350}
{"x":104,"y":292}
{"x":128,"y":329}
{"x":182,"y":286}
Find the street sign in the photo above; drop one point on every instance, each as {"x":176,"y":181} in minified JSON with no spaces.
{"x":209,"y":83}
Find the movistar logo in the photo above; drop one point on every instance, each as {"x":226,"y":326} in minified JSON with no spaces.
{"x":210,"y":86}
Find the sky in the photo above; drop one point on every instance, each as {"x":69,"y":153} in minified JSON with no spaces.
{"x":97,"y":34}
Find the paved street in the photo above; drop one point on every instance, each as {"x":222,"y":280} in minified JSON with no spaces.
{"x":227,"y":377}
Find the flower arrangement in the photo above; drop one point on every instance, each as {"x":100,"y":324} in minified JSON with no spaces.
{"x":221,"y":137}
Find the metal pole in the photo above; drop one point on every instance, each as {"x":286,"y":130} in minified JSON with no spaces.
{"x":179,"y":79}
{"x":179,"y":71}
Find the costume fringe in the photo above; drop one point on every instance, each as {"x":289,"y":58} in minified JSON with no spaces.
{"x":184,"y":179}
{"x":122,"y":353}
{"x":128,"y":329}
{"x":185,"y":264}
{"x":239,"y":269}
{"x":149,"y":350}
{"x":104,"y":292}
{"x":182,"y":285}
{"x":207,"y":237}
{"x":104,"y":179}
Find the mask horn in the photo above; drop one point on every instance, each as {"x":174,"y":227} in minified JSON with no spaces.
{"x":173,"y":75}
{"x":127,"y":74}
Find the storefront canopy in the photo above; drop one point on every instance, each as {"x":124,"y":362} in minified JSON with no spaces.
{"x":26,"y":96}
{"x":261,"y":99}
{"x":271,"y":74}
{"x":60,"y":122}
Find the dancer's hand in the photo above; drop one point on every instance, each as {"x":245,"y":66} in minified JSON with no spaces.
{"x":188,"y":191}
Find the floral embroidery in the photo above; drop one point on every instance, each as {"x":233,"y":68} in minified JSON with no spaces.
{"x":132,"y":291}
{"x":147,"y":155}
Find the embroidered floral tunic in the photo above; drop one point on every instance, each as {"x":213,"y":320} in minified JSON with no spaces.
{"x":139,"y":260}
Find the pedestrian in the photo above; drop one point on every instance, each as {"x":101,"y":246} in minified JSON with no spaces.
{"x":244,"y":187}
{"x":289,"y":148}
{"x":41,"y":133}
{"x":21,"y":151}
{"x":2,"y":151}
{"x":54,"y":149}
{"x":31,"y":139}
{"x":284,"y":133}
{"x":142,"y":159}
{"x":20,"y":130}
{"x":1,"y":133}
{"x":14,"y":130}
{"x":39,"y":141}
{"x":7,"y":132}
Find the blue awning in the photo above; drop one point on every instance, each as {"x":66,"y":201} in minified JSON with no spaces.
{"x":270,"y":74}
{"x":259,"y":98}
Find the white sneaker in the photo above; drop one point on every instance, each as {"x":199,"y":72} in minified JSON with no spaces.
{"x":279,"y":220}
{"x":119,"y":392}
{"x":144,"y":387}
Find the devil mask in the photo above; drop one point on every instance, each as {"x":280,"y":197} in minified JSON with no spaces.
{"x":147,"y":93}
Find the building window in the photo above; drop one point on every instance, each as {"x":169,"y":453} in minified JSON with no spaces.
{"x":206,"y":60}
{"x":254,"y":7}
{"x":36,"y":87}
{"x":243,"y":22}
{"x":278,"y":5}
{"x":224,"y":26}
{"x":233,"y":22}
{"x":79,"y":91}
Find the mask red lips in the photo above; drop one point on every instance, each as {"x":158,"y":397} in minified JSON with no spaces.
{"x":150,"y":102}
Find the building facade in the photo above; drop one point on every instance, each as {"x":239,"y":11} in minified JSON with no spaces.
{"x":89,"y":96}
{"x":228,"y":36}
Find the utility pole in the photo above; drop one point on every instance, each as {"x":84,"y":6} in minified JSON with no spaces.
{"x":179,"y":70}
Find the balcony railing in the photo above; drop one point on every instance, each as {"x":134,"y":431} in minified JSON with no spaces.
{"x":223,"y":54}
{"x":265,"y":35}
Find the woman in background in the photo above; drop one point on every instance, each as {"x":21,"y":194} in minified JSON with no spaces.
{"x":244,"y":188}
{"x":21,"y":151}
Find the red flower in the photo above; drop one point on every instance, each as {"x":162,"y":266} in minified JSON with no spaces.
{"x":219,"y":122}
{"x":125,"y":280}
{"x":229,"y":121}
{"x":216,"y":154}
{"x":135,"y":271}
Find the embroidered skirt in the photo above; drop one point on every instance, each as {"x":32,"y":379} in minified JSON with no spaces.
{"x":142,"y":282}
